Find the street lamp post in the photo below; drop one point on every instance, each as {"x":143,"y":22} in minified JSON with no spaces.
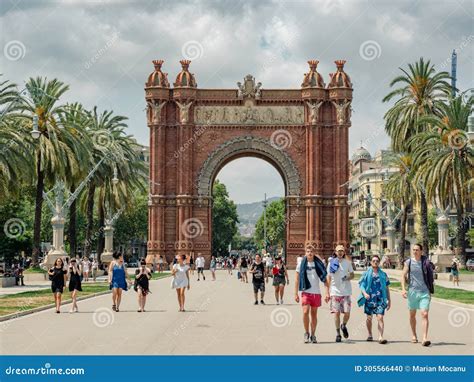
{"x":265,"y":222}
{"x":58,"y":208}
{"x":106,"y":256}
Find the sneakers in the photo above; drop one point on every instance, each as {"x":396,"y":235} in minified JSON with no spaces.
{"x":262,"y":302}
{"x":307,"y":338}
{"x":345,"y":332}
{"x":338,"y":338}
{"x":278,"y":302}
{"x":313,"y":340}
{"x":281,"y":302}
{"x":255,"y":303}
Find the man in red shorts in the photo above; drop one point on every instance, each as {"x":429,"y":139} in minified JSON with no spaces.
{"x":309,"y":272}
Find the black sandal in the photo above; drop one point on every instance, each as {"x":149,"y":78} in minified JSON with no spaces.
{"x":370,"y":339}
{"x":382,"y":342}
{"x":426,"y":343}
{"x":114,"y":307}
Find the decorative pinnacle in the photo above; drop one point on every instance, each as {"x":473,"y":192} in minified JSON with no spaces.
{"x":340,"y":64}
{"x":157,"y":64}
{"x":313,"y":64}
{"x":185,"y":64}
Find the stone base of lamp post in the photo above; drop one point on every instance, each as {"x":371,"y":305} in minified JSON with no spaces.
{"x":393,"y":257}
{"x":442,"y":259}
{"x":52,"y":256}
{"x":106,"y":258}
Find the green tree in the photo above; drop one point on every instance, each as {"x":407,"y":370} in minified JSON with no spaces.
{"x":421,"y":93}
{"x":400,"y":189}
{"x":445,"y":160}
{"x":275,"y":222}
{"x":224,"y":219}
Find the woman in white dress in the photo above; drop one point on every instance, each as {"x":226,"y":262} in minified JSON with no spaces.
{"x":180,"y":272}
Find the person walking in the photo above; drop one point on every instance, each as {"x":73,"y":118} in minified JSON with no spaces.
{"x":118,"y":280}
{"x":180,"y":282}
{"x":160,"y":264}
{"x":191,"y":263}
{"x":228,"y":262}
{"x":418,"y":274}
{"x":280,"y":279}
{"x":142,"y":284}
{"x":74,"y":274}
{"x":244,"y":269}
{"x":200,"y":262}
{"x":95,"y":268}
{"x":259,"y":278}
{"x":309,"y":272}
{"x":375,"y":296}
{"x":212,"y":267}
{"x":57,"y":276}
{"x":267,"y":259}
{"x":340,"y":272}
{"x":455,"y":271}
{"x":86,"y":264}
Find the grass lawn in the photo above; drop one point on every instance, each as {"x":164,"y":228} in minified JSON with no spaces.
{"x":459,"y":295}
{"x":34,"y":270}
{"x":466,"y":272}
{"x":19,"y":302}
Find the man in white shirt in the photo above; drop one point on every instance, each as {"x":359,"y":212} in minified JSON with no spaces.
{"x":200,"y":266}
{"x":310,"y":271}
{"x":340,"y":272}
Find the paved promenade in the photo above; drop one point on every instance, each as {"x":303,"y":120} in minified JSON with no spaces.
{"x":221,"y":319}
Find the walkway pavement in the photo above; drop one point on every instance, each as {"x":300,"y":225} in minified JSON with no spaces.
{"x":221,"y":319}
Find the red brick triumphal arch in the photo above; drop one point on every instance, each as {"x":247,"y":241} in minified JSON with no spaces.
{"x":194,"y":132}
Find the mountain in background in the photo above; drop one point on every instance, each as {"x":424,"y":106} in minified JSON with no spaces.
{"x":249,"y":214}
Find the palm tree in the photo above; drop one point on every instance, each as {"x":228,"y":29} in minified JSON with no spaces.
{"x":105,"y":130}
{"x":56,"y":147}
{"x":76,"y":118}
{"x":15,"y":157}
{"x":421,"y":93}
{"x":400,"y":189}
{"x":445,"y":160}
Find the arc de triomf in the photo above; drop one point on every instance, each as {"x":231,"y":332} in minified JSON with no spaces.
{"x":194,"y":132}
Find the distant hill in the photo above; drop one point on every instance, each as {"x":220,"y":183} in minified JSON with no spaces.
{"x":249,"y":214}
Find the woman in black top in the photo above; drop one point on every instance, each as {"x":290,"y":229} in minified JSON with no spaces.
{"x":57,"y":275}
{"x":191,"y":263}
{"x":74,"y":283}
{"x":280,"y":279}
{"x":142,"y":285}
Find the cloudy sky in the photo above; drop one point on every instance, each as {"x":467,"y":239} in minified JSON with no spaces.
{"x":103,"y":50}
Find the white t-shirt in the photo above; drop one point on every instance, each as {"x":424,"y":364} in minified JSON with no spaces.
{"x":200,"y":262}
{"x":312,"y":277}
{"x":338,"y":286}
{"x":268,"y":261}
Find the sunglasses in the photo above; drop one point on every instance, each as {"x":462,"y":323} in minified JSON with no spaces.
{"x":375,"y":261}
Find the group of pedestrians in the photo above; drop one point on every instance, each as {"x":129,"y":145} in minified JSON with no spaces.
{"x":313,"y":275}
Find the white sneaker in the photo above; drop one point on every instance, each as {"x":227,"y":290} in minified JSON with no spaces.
{"x":278,"y":302}
{"x":281,"y":302}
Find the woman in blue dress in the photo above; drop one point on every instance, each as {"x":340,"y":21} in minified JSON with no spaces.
{"x":375,"y":296}
{"x":118,"y":279}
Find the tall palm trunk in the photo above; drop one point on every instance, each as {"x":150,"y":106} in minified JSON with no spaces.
{"x":403,"y":230}
{"x":38,"y":212}
{"x":90,"y":219}
{"x":72,"y":233}
{"x":424,"y":224}
{"x":100,"y":239}
{"x":462,"y":227}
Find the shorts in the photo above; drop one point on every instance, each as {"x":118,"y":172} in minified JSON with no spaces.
{"x":278,"y":280}
{"x":200,"y":269}
{"x":259,"y":286}
{"x":418,"y":300}
{"x":243,"y":270}
{"x":314,"y":300}
{"x":374,"y":309}
{"x":340,"y":304}
{"x":455,"y":273}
